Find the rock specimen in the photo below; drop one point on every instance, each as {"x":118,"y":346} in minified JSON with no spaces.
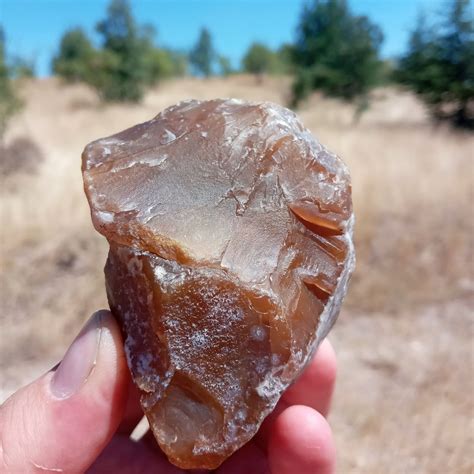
{"x":230,"y":231}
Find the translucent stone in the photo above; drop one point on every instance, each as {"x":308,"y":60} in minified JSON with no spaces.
{"x":230,"y":231}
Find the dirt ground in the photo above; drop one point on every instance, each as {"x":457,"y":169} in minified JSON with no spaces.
{"x":405,"y":395}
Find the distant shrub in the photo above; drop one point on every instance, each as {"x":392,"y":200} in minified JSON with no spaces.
{"x":9,"y":101}
{"x":22,"y":68}
{"x":439,"y":64}
{"x":162,"y":63}
{"x":74,"y":59}
{"x":179,"y":60}
{"x":202,"y":56}
{"x":121,"y":64}
{"x":259,"y":59}
{"x":22,"y":155}
{"x":225,"y":67}
{"x":335,"y":52}
{"x":286,"y":59}
{"x":127,"y":61}
{"x":387,"y":72}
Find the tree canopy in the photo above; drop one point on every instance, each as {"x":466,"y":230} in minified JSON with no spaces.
{"x":125,"y":64}
{"x":202,"y":55}
{"x":225,"y":66}
{"x":439,"y":64}
{"x":74,"y":57}
{"x":335,"y":51}
{"x":122,"y":65}
{"x":9,"y":102}
{"x":258,"y":59}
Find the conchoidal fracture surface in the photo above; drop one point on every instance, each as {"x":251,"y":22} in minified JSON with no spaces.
{"x":230,"y":231}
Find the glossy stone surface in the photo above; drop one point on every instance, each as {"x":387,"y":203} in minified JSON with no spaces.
{"x":230,"y":231}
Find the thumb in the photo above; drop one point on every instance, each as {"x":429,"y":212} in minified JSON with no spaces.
{"x":62,"y":421}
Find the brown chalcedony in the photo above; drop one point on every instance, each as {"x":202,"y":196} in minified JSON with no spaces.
{"x":230,"y":231}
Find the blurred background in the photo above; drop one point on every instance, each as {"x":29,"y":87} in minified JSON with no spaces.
{"x":388,"y":85}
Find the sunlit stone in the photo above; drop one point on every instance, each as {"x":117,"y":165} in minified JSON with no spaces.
{"x":230,"y":231}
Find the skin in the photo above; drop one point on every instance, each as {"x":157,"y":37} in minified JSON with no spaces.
{"x":90,"y":430}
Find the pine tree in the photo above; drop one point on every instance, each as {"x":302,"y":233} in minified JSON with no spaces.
{"x":122,"y":73}
{"x":335,"y":52}
{"x":202,"y":56}
{"x":439,"y":64}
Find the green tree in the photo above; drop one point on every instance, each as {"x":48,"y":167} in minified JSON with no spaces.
{"x":180,"y":62}
{"x":159,"y":63}
{"x":225,"y":66}
{"x":127,"y":61}
{"x":122,"y":61}
{"x":285,"y":59}
{"x":163,"y":63}
{"x":335,"y":51}
{"x":439,"y":64}
{"x":259,"y":59}
{"x":9,"y":102}
{"x":387,"y":72}
{"x":74,"y":58}
{"x":202,"y":56}
{"x":22,"y":68}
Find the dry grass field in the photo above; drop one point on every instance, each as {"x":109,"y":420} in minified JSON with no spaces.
{"x":405,"y":394}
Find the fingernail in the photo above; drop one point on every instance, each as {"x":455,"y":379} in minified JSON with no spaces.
{"x":79,"y":360}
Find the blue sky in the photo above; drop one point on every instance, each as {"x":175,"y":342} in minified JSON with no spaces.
{"x":34,"y":27}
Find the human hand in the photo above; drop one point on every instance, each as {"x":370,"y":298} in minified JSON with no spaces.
{"x":79,"y":418}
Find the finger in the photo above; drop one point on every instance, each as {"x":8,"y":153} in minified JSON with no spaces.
{"x":315,"y":387}
{"x":262,"y":437}
{"x":149,"y":442}
{"x":247,"y":459}
{"x":133,"y":411}
{"x":301,"y":441}
{"x":63,"y":420}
